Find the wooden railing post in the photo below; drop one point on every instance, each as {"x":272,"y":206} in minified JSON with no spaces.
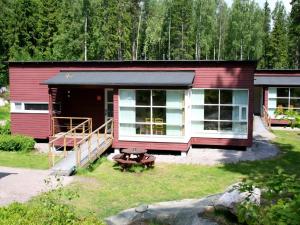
{"x":105,"y":131}
{"x":53,"y":127}
{"x":65,"y":146}
{"x":89,"y":148}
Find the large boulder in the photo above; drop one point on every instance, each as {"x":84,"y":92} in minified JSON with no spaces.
{"x":185,"y":212}
{"x":232,"y":197}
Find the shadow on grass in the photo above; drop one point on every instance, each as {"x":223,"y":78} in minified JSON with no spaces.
{"x":288,"y":159}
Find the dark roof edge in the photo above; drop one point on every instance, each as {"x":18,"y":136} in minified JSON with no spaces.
{"x":277,"y":71}
{"x":133,"y":62}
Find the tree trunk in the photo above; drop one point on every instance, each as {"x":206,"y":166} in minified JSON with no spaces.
{"x":169,"y":43}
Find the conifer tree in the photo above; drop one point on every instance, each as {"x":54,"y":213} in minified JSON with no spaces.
{"x":294,"y":35}
{"x":265,"y":59}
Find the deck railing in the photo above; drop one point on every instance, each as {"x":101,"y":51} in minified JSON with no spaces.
{"x":62,"y":140}
{"x":62,"y":124}
{"x":100,"y":139}
{"x":266,"y":117}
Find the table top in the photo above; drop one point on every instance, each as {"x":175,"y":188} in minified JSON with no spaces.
{"x":134,"y":151}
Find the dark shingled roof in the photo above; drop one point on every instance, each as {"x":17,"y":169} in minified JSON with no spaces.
{"x":124,"y":78}
{"x":287,"y":80}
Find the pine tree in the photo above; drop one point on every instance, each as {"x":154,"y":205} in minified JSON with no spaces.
{"x":279,"y":41}
{"x":265,"y":60}
{"x":294,"y":34}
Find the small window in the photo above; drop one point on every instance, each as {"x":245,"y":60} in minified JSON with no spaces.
{"x":18,"y":106}
{"x":36,"y":106}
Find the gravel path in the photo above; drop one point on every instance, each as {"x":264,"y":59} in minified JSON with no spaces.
{"x":20,"y":185}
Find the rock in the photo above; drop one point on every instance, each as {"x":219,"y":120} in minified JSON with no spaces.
{"x":185,"y":212}
{"x":233,"y":196}
{"x":141,"y":208}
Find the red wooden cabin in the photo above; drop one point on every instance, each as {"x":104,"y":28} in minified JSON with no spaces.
{"x":158,"y":105}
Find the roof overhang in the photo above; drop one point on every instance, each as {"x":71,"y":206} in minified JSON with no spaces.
{"x":123,"y":78}
{"x":277,"y":81}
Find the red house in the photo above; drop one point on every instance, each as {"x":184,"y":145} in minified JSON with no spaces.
{"x":157,"y":105}
{"x":276,"y":89}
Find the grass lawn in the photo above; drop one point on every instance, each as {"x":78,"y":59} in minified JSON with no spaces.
{"x":31,"y":160}
{"x":4,"y":112}
{"x":106,"y":191}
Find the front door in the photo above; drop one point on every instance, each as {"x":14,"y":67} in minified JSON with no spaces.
{"x":109,"y":104}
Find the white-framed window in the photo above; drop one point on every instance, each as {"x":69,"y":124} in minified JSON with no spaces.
{"x":109,"y":104}
{"x":284,"y":98}
{"x":219,"y":111}
{"x":144,"y":112}
{"x":29,"y":107}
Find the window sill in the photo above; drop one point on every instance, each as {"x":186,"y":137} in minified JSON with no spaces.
{"x":220,"y":135}
{"x":145,"y":138}
{"x":31,"y":112}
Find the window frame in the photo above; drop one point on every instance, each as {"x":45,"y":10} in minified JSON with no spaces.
{"x":220,"y":133}
{"x":153,"y":136}
{"x":23,"y":110}
{"x":271,"y":110}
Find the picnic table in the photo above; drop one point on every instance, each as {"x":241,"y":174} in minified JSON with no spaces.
{"x":134,"y":156}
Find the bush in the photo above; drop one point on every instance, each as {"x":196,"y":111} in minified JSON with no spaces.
{"x":5,"y":129}
{"x":280,"y":201}
{"x":16,"y":143}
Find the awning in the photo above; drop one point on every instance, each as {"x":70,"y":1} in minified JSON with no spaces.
{"x":279,"y":81}
{"x":124,"y":78}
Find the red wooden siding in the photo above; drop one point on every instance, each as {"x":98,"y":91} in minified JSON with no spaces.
{"x":26,"y":85}
{"x":35,"y":125}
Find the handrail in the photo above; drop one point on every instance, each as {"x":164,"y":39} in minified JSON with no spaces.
{"x":88,"y":140}
{"x":86,"y":126}
{"x":69,"y":120}
{"x":267,"y":117}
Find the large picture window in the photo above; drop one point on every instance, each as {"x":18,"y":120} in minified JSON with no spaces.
{"x":219,"y":111}
{"x":151,"y":112}
{"x":283,"y":98}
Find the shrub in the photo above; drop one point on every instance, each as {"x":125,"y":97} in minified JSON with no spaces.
{"x":5,"y":129}
{"x":280,"y":201}
{"x":16,"y":143}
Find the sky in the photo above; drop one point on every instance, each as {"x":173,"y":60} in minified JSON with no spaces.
{"x":271,"y":3}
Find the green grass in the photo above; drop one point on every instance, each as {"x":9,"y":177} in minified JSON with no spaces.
{"x":4,"y":112}
{"x":31,"y":160}
{"x":106,"y":191}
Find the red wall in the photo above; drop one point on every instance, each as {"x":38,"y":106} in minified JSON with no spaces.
{"x":26,"y":79}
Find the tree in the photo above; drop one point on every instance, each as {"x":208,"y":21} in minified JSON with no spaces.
{"x":294,"y":34}
{"x":279,"y":39}
{"x":265,"y":60}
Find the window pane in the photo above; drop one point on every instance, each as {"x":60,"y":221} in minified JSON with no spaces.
{"x":143,"y":97}
{"x":143,"y":129}
{"x":226,"y":97}
{"x":127,"y":97}
{"x":239,"y":127}
{"x":282,"y":92}
{"x":159,"y":129}
{"x":159,"y":115}
{"x":210,"y":125}
{"x":110,"y":96}
{"x":173,"y":130}
{"x":211,"y":112}
{"x":226,"y":126}
{"x":174,"y":116}
{"x":159,"y":98}
{"x":110,"y":110}
{"x":127,"y":115}
{"x":211,"y":96}
{"x":143,"y":115}
{"x":295,"y":103}
{"x":240,"y":97}
{"x":244,"y":113}
{"x":18,"y":106}
{"x":226,"y":112}
{"x":30,"y":106}
{"x":282,"y":102}
{"x":175,"y":98}
{"x":127,"y":129}
{"x":295,"y":92}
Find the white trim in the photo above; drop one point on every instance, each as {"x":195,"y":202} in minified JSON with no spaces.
{"x":155,"y":138}
{"x":23,"y":110}
{"x":106,"y":102}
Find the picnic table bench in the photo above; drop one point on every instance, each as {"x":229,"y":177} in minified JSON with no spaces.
{"x":130,"y":157}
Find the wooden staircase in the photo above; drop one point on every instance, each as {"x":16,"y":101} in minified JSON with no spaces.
{"x":86,"y":148}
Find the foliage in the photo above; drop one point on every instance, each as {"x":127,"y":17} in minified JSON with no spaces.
{"x":291,"y":115}
{"x":147,"y":29}
{"x":46,"y":210}
{"x":5,"y":129}
{"x":280,"y":200}
{"x":16,"y":143}
{"x":4,"y":112}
